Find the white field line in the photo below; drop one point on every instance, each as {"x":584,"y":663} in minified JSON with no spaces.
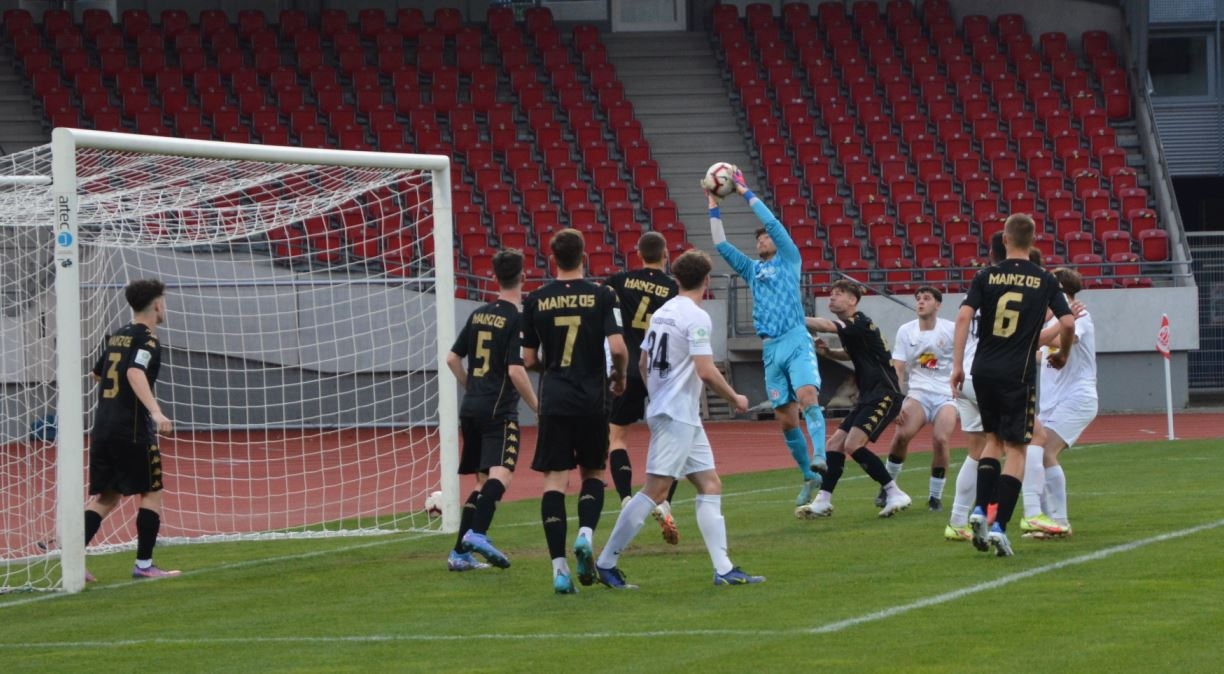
{"x":827,"y":628}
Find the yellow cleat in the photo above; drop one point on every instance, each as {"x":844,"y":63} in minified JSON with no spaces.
{"x":958,"y":534}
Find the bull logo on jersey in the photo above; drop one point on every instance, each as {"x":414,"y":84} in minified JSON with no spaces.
{"x":774,"y":394}
{"x":928,"y":361}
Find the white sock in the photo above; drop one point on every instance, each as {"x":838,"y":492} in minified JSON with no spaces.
{"x":628,"y":524}
{"x":824,"y":496}
{"x":664,"y":508}
{"x":588,"y":532}
{"x":894,"y":469}
{"x":1034,"y":480}
{"x":713,"y":531}
{"x":144,"y":563}
{"x":966,"y":492}
{"x":937,"y":487}
{"x":560,"y":566}
{"x":1056,"y":493}
{"x":891,"y":489}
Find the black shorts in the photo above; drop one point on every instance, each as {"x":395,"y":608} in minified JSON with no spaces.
{"x":1008,"y":408}
{"x":126,"y":467}
{"x":488,"y":443}
{"x":873,"y":414}
{"x":565,"y":443}
{"x":630,"y":407}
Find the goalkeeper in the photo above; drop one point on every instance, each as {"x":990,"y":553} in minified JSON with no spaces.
{"x":792,"y":378}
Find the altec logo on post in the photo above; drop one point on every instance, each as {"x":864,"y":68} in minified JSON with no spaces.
{"x":63,"y":214}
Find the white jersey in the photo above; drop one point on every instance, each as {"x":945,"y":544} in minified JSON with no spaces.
{"x":971,"y":345}
{"x":1077,"y":380}
{"x":927,"y":355}
{"x":678,"y":331}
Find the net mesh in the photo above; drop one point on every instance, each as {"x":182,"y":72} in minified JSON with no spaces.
{"x":299,"y":356}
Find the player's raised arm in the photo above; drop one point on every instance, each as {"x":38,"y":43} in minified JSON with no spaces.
{"x":741,"y":263}
{"x":818,"y":324}
{"x":781,"y":238}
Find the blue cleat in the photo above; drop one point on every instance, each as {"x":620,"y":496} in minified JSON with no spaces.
{"x":586,"y":561}
{"x":562,"y":584}
{"x":614,"y":579}
{"x":808,"y":492}
{"x":998,"y":538}
{"x":977,"y":524}
{"x":736,"y":576}
{"x":480,"y":543}
{"x":463,"y":561}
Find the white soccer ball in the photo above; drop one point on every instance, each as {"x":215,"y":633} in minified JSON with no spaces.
{"x":719,"y":180}
{"x":433,"y":504}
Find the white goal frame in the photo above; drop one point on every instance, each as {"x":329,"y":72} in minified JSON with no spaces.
{"x":70,"y":471}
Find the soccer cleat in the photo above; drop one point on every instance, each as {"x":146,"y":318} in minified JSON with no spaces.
{"x":736,"y":576}
{"x":1044,"y":524}
{"x":614,"y":578}
{"x":896,"y":502}
{"x":562,"y":584}
{"x":814,"y":510}
{"x":586,"y":561}
{"x":480,"y":543}
{"x":881,"y":498}
{"x":934,"y":504}
{"x":998,"y":539}
{"x":625,"y":501}
{"x":463,"y":561}
{"x":670,"y":533}
{"x":808,"y":491}
{"x":958,"y":534}
{"x":89,"y":577}
{"x":977,"y":524}
{"x":153,"y":572}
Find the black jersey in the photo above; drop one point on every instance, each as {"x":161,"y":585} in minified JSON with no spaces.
{"x":641,"y":292}
{"x":873,"y":369}
{"x":490,"y":341}
{"x":569,"y":320}
{"x":1012,"y":297}
{"x":120,"y":415}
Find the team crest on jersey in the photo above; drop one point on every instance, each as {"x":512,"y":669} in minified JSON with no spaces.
{"x":928,"y":361}
{"x":774,"y":394}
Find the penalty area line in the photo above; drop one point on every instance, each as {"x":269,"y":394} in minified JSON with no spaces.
{"x":828,"y":628}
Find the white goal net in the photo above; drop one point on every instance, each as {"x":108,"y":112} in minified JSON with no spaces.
{"x":309,"y":296}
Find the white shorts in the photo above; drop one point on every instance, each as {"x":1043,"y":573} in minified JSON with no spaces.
{"x":966,"y":404}
{"x":677,"y":449}
{"x":1068,"y":418}
{"x":931,"y":403}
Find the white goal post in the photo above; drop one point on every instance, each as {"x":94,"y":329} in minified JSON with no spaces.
{"x":327,"y":324}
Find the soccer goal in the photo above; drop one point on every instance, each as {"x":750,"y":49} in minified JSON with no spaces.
{"x":310,"y":299}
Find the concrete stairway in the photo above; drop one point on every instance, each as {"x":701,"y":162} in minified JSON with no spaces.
{"x":21,"y":126}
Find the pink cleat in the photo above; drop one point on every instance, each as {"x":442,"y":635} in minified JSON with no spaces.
{"x":89,"y":577}
{"x":153,"y":572}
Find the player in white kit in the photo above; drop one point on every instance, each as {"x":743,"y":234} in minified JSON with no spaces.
{"x":676,"y":358}
{"x":922,"y":357}
{"x":1068,"y":403}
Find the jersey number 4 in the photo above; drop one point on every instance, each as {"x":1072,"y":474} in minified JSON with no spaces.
{"x":656,"y":353}
{"x":641,"y":317}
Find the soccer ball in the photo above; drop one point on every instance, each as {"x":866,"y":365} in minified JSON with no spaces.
{"x":720,"y":179}
{"x":433,"y":504}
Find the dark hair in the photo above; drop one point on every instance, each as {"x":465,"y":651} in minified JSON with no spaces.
{"x":930,"y":290}
{"x":508,"y":266}
{"x":760,"y":230}
{"x":997,"y":250}
{"x":1035,"y":256}
{"x":1070,"y":280}
{"x":567,"y":246}
{"x":651,"y":247}
{"x":691,"y":268}
{"x":848,"y":286}
{"x":140,"y":294}
{"x":1020,"y":230}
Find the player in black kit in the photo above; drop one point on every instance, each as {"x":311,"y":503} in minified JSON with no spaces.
{"x":1012,"y":298}
{"x":879,"y":400}
{"x":123,"y":456}
{"x":493,"y":381}
{"x":641,"y":292}
{"x":569,"y":319}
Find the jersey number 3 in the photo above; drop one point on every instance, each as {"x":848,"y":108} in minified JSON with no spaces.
{"x":112,"y":375}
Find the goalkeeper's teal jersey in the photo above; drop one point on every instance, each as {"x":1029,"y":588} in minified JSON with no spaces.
{"x":777,"y":305}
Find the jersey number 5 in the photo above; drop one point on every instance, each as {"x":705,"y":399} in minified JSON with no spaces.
{"x":1006,"y":319}
{"x":482,"y":352}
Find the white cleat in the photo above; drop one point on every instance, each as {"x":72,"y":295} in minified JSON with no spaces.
{"x":814,"y":510}
{"x":895,"y":503}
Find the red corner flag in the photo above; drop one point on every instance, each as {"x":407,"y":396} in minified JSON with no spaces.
{"x":1162,"y":337}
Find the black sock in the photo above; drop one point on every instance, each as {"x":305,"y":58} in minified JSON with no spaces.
{"x":872,"y":465}
{"x":622,"y":472}
{"x":465,"y":519}
{"x":988,"y":476}
{"x":148,"y":523}
{"x":552,"y":514}
{"x":490,"y":494}
{"x":671,"y":492}
{"x":837,"y":466}
{"x":1006,"y":495}
{"x":590,"y":503}
{"x":93,"y":522}
{"x":938,"y":473}
{"x":896,"y":459}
